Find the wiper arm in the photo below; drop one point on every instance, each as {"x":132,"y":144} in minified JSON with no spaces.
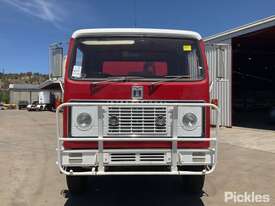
{"x":176,"y":77}
{"x":117,"y":79}
{"x":172,"y":79}
{"x":121,"y":79}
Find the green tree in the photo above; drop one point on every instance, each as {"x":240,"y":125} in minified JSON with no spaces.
{"x":4,"y":97}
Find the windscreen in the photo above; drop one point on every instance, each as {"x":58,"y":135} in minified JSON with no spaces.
{"x":144,"y":57}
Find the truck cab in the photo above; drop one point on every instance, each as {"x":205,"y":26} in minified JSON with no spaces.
{"x":136,"y":102}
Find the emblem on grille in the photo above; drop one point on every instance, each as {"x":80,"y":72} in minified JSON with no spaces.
{"x":137,"y":92}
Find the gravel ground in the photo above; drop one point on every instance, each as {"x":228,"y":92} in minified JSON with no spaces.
{"x":29,"y":175}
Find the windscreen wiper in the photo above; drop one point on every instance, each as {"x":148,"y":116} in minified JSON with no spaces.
{"x":118,"y":79}
{"x":110,"y":79}
{"x":170,"y":79}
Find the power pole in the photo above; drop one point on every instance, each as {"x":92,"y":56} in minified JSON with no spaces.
{"x":135,"y":14}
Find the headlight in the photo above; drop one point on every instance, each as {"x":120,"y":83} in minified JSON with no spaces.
{"x":189,"y":121}
{"x":84,"y":121}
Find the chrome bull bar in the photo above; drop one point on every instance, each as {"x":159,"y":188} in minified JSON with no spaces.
{"x":100,"y":139}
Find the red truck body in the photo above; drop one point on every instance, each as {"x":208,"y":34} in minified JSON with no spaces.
{"x":180,"y":91}
{"x":136,"y":99}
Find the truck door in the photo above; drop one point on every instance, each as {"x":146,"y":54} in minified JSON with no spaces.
{"x":219,"y":64}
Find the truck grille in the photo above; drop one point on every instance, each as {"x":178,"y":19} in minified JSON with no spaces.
{"x":142,"y":157}
{"x":137,"y":158}
{"x":138,"y":120}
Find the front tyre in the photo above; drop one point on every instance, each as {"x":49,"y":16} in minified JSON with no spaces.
{"x":76,"y":184}
{"x":193,"y":183}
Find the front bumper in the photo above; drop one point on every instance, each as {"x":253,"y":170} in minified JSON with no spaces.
{"x":95,"y":161}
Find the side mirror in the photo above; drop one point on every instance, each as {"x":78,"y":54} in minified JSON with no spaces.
{"x":56,"y":61}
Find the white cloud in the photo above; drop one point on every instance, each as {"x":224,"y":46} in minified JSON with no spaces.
{"x":43,"y":9}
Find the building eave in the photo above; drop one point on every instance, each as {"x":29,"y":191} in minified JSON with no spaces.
{"x":49,"y":84}
{"x":247,"y":28}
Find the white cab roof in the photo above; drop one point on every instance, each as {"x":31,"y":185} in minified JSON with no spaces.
{"x":136,"y":32}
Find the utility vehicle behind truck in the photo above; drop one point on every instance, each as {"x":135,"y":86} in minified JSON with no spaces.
{"x":136,"y":102}
{"x":22,"y":104}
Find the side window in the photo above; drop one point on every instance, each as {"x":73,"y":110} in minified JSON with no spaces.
{"x":193,"y":64}
{"x":79,"y":57}
{"x":77,"y":68}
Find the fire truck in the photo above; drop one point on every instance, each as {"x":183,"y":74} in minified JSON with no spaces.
{"x":136,"y":102}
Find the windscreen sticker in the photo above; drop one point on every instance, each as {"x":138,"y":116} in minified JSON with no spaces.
{"x":77,"y":71}
{"x":187,"y":47}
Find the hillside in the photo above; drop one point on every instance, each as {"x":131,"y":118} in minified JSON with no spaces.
{"x":21,"y":78}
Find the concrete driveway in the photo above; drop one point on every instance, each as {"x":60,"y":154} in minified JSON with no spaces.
{"x":29,"y":175}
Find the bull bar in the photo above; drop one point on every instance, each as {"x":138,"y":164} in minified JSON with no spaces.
{"x":174,"y":139}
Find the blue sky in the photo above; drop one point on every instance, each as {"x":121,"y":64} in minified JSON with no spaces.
{"x":29,"y":26}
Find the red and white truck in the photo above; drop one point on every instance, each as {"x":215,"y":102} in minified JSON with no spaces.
{"x":136,"y":102}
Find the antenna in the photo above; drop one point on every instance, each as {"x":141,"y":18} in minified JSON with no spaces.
{"x":135,"y":13}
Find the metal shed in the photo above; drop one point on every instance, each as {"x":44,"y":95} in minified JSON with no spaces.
{"x":231,"y":54}
{"x":23,"y":92}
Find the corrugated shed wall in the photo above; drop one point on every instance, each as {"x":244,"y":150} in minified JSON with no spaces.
{"x":34,"y":96}
{"x":17,"y":95}
{"x":219,"y":63}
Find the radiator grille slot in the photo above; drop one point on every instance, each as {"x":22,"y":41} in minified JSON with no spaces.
{"x":75,"y":158}
{"x":152,"y":157}
{"x":123,"y":157}
{"x":137,"y":157}
{"x":137,"y":120}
